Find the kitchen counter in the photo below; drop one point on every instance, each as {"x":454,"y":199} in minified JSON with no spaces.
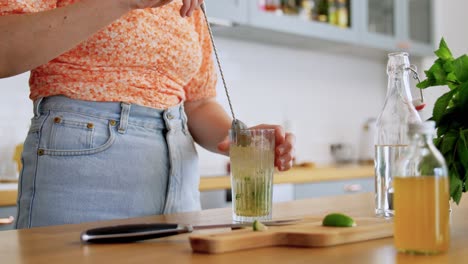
{"x":60,"y":244}
{"x":8,"y":193}
{"x":296,"y":175}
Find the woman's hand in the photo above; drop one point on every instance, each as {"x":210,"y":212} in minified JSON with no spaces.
{"x":187,"y":8}
{"x":284,"y":146}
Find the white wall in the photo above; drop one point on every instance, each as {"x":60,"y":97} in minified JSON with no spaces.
{"x":15,"y":113}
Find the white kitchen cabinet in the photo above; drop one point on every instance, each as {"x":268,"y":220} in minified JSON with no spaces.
{"x":6,"y":212}
{"x":420,"y":29}
{"x":220,"y":198}
{"x":333,"y":188}
{"x":288,"y":192}
{"x":213,"y":199}
{"x":229,"y":11}
{"x":405,"y":25}
{"x":379,"y":25}
{"x":302,"y":27}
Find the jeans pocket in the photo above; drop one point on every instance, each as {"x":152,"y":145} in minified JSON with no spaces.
{"x":66,"y":134}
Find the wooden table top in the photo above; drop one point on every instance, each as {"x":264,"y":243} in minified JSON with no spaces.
{"x":60,"y":244}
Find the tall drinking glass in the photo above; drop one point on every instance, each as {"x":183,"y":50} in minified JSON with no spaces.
{"x":252,"y":155}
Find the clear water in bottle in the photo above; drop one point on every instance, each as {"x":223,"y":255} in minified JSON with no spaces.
{"x":386,"y":158}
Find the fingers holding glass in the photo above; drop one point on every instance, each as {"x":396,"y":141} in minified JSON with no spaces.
{"x":285,"y":153}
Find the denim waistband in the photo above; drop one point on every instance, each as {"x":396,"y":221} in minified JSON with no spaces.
{"x":124,"y":112}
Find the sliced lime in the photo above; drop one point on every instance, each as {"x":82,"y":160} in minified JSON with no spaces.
{"x":337,"y":219}
{"x":257,"y":226}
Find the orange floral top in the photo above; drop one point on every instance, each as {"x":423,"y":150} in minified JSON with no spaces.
{"x":151,"y":57}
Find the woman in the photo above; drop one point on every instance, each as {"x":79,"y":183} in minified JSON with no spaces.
{"x":119,"y":89}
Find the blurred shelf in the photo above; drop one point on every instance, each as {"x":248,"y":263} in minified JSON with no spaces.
{"x":8,"y":197}
{"x":8,"y":181}
{"x":298,"y":175}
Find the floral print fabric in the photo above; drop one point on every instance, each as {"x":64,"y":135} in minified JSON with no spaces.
{"x":151,"y":57}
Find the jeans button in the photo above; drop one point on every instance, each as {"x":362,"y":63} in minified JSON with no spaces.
{"x":170,"y":116}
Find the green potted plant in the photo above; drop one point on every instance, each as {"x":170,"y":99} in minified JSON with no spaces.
{"x":451,"y":115}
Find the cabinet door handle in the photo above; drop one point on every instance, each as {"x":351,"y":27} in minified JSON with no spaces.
{"x":7,"y":221}
{"x":352,"y":188}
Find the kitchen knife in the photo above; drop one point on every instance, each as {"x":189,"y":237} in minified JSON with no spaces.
{"x":137,"y":232}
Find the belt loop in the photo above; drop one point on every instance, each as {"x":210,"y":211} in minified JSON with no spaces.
{"x":37,"y":107}
{"x":124,"y":114}
{"x":184,"y":118}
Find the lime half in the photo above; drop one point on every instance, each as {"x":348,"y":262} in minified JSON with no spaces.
{"x":337,"y":219}
{"x":257,"y":226}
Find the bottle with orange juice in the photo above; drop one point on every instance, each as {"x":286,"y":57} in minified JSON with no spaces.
{"x":421,"y":195}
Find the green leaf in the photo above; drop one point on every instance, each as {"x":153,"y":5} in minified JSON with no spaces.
{"x":449,"y":141}
{"x":441,"y":130}
{"x":441,"y":105}
{"x":455,"y":186}
{"x":466,"y":183}
{"x":443,"y":52}
{"x":424,"y":84}
{"x":451,"y":117}
{"x":459,"y":167}
{"x":462,"y":152}
{"x":461,"y":68}
{"x":464,"y":136}
{"x":449,"y":159}
{"x":457,"y":193}
{"x":452,"y":80}
{"x":439,"y":73}
{"x":452,"y":86}
{"x":448,"y":66}
{"x":452,"y":77}
{"x":429,"y":74}
{"x":463,"y":97}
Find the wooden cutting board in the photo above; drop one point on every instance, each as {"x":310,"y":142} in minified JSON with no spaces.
{"x":309,"y":233}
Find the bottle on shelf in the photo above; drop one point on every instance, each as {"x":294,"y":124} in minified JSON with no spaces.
{"x":332,"y":12}
{"x":269,"y":5}
{"x":322,"y":11}
{"x":308,"y":9}
{"x":290,"y":7}
{"x":342,"y":14}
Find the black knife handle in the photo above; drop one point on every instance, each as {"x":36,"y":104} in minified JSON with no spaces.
{"x":131,"y":232}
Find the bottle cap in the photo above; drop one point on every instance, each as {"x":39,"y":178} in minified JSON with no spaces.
{"x":397,"y":62}
{"x":427,"y":127}
{"x":398,"y":53}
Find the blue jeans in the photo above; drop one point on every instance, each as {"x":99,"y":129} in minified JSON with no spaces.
{"x":87,"y":161}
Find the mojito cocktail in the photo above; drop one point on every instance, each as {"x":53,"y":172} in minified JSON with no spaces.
{"x":252,"y":166}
